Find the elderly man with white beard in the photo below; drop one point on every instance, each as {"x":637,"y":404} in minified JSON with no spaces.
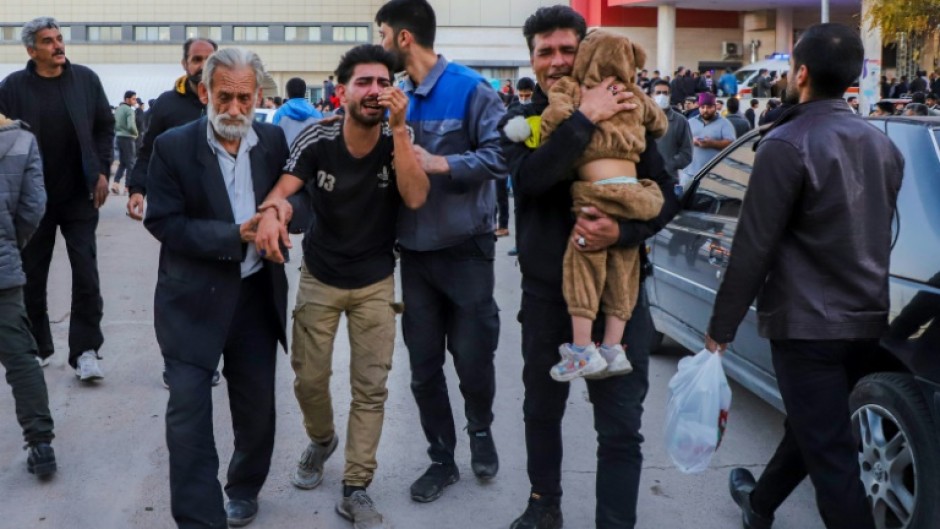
{"x":216,"y":295}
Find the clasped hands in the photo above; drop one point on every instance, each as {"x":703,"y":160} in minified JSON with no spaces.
{"x":267,"y":229}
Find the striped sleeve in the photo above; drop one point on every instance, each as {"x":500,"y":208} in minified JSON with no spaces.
{"x":302,"y":160}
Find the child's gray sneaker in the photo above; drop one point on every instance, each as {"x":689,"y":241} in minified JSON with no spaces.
{"x":617,"y":363}
{"x":574,"y":364}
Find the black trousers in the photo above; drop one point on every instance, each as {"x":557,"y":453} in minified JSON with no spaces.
{"x":250,"y":359}
{"x":617,"y":402}
{"x":815,"y":379}
{"x":449,"y":304}
{"x":78,"y":220}
{"x":17,"y":354}
{"x":502,"y":204}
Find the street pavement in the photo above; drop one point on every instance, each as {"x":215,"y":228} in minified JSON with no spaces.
{"x":112,"y":455}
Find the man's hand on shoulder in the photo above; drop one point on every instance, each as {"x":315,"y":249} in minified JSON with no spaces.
{"x":595,"y":229}
{"x":605,"y":100}
{"x":430,"y":163}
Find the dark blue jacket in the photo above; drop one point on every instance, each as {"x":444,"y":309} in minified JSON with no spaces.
{"x":189,"y":212}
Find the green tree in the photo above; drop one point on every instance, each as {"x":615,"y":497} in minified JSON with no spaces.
{"x":907,"y":17}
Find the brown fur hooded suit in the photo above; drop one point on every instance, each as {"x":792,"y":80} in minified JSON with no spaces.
{"x":609,"y":278}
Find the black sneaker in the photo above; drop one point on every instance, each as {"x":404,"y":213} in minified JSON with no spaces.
{"x":483,"y":457}
{"x":41,"y":460}
{"x":430,"y":486}
{"x":542,"y":513}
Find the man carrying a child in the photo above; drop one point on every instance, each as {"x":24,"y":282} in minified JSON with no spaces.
{"x":542,"y":176}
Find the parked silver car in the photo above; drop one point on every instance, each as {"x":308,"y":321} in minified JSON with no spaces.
{"x":895,"y":409}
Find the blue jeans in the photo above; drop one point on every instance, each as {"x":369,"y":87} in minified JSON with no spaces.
{"x":617,"y":401}
{"x":448,"y":297}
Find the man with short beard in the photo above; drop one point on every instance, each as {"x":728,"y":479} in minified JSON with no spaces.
{"x":448,"y":246}
{"x":215,"y":295}
{"x":173,"y":108}
{"x":813,"y":246}
{"x":66,"y":108}
{"x":710,"y":134}
{"x":356,"y":164}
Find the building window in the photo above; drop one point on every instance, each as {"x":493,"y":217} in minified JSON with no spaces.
{"x":204,"y":32}
{"x":250,"y":33}
{"x":10,"y":34}
{"x":66,"y":32}
{"x":104,"y":33}
{"x":151,"y":33}
{"x":351,"y":34}
{"x":302,"y":33}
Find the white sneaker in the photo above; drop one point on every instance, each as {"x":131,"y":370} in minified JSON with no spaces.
{"x":88,"y":368}
{"x":574,"y":364}
{"x":43,"y":362}
{"x":617,"y":363}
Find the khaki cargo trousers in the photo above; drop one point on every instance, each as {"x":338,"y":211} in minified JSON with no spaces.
{"x":371,"y":327}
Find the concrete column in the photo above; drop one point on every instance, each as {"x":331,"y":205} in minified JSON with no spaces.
{"x":666,"y":40}
{"x":784,"y":43}
{"x":869,"y":83}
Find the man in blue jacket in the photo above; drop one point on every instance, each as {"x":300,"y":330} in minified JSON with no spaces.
{"x":447,"y":246}
{"x":297,"y":113}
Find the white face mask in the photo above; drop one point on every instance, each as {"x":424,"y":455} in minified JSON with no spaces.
{"x":662,"y":100}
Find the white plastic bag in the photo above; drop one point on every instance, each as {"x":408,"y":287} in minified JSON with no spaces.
{"x":697,"y":413}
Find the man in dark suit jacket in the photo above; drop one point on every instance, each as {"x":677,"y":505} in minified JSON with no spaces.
{"x":216,"y":295}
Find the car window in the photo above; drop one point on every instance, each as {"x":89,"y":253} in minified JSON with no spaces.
{"x":742,"y":75}
{"x":721,"y":190}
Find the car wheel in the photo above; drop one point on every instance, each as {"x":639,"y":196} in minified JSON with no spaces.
{"x":899,"y":460}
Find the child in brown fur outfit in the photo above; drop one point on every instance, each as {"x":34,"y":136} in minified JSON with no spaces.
{"x":608,"y":279}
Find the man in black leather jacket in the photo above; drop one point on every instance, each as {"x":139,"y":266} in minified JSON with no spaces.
{"x":813,"y":245}
{"x":542,"y":178}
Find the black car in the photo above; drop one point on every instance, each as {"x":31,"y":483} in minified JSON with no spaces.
{"x":896,"y":408}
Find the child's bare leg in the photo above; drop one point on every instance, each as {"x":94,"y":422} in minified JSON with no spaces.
{"x":581,"y":329}
{"x":613,"y":330}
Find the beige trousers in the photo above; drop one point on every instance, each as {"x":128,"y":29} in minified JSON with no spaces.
{"x":608,"y":279}
{"x":371,"y":326}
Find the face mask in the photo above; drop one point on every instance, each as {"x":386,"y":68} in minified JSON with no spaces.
{"x":662,"y":100}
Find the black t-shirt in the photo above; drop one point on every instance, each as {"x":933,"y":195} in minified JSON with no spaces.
{"x":355,"y":204}
{"x":58,"y":143}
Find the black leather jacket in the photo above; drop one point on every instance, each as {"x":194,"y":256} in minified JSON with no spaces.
{"x":814,"y":237}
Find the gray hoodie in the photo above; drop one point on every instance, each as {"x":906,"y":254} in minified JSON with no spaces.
{"x":22,"y":197}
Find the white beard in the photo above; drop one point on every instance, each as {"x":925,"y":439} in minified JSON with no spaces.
{"x":226,"y":130}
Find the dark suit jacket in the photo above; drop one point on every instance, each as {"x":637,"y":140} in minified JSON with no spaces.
{"x":189,"y":212}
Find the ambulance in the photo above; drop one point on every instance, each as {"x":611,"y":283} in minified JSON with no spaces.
{"x":779,"y":63}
